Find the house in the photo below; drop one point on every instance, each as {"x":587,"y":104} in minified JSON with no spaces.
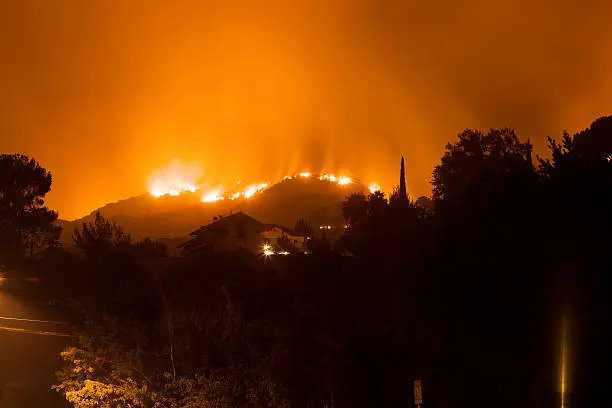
{"x":239,"y":230}
{"x":284,"y":238}
{"x":229,"y":232}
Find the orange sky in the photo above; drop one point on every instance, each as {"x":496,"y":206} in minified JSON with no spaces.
{"x":104,"y":92}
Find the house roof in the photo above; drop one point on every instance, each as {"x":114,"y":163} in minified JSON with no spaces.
{"x":286,"y":230}
{"x":195,"y":240}
{"x":224,"y":219}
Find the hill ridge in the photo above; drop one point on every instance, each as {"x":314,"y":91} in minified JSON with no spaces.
{"x":174,"y":217}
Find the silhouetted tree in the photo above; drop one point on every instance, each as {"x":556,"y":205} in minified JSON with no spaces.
{"x":425,"y":203}
{"x":150,"y":248}
{"x":403,"y":192}
{"x":24,"y":218}
{"x":285,"y":243}
{"x":304,"y":228}
{"x":593,"y":143}
{"x":355,"y":209}
{"x":484,"y":259}
{"x":100,"y":235}
{"x":377,"y":205}
{"x":577,"y":186}
{"x":52,"y":237}
{"x":478,"y":157}
{"x":319,"y":245}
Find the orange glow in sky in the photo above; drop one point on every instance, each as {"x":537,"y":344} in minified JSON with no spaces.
{"x":258,"y":92}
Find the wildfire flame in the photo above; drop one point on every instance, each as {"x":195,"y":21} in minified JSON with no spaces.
{"x":179,"y":177}
{"x":253,"y":189}
{"x":176,"y":178}
{"x":328,"y":177}
{"x":212,"y":196}
{"x":343,"y":180}
{"x":374,"y":187}
{"x":332,"y":178}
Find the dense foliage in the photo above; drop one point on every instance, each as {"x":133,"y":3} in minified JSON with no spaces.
{"x":24,"y":218}
{"x":466,"y":293}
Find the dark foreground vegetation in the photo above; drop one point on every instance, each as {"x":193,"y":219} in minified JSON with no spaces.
{"x":467,"y":293}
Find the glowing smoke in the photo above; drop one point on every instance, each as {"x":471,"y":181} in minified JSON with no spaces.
{"x":176,"y":178}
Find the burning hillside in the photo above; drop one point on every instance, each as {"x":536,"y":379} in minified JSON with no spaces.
{"x":179,"y":201}
{"x":178,"y":178}
{"x":175,"y":179}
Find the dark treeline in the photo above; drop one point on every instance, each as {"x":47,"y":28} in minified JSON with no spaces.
{"x":468,"y":292}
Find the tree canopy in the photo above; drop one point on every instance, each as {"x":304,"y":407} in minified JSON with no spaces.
{"x":100,"y":235}
{"x":478,"y":158}
{"x":23,"y":214}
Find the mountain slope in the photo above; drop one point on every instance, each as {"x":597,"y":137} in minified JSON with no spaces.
{"x":173,"y":218}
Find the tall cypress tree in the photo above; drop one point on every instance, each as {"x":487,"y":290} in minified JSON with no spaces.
{"x":403,"y":195}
